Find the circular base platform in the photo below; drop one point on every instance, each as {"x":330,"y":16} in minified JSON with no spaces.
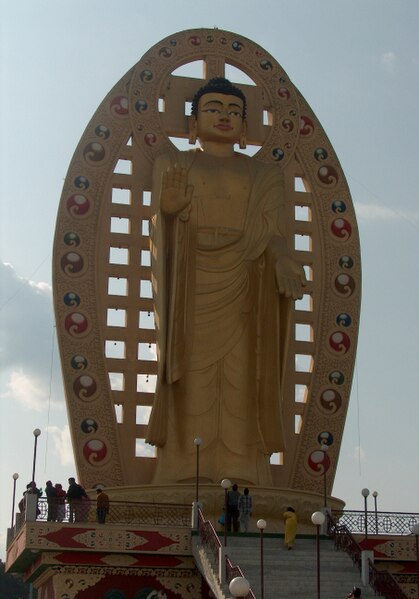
{"x":268,"y":503}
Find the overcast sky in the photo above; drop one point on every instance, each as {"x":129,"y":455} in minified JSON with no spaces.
{"x":356,"y":63}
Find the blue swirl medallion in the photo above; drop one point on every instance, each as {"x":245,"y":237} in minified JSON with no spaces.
{"x":81,"y":182}
{"x":71,"y":299}
{"x":89,"y":425}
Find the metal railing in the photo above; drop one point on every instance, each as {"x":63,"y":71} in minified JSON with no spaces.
{"x":209,"y":538}
{"x":211,"y":543}
{"x":378,"y":523}
{"x":381,"y":581}
{"x":344,"y":541}
{"x":123,"y":512}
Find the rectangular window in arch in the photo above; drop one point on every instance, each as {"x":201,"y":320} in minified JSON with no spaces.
{"x":145,"y":258}
{"x":119,"y":413}
{"x":277,"y":458}
{"x":146,"y":198}
{"x":188,"y":108}
{"x":116,"y":317}
{"x":117,"y":286}
{"x":146,"y":320}
{"x":117,"y":381}
{"x":308,"y":272}
{"x":121,"y":196}
{"x":298,"y":423}
{"x":118,"y":255}
{"x":144,"y":450}
{"x":299,"y":184}
{"x":120,"y":224}
{"x":303,"y":332}
{"x":142,"y":414}
{"x":146,"y":383}
{"x":145,"y":228}
{"x":161,"y":105}
{"x":147,"y":351}
{"x":302,"y":214}
{"x":302,"y":243}
{"x":305,"y":304}
{"x":123,"y":167}
{"x":300,"y":393}
{"x":115,"y":349}
{"x":146,"y":290}
{"x":303,"y":363}
{"x":267,"y":118}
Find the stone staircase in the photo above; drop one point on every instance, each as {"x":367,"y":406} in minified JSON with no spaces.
{"x":293,"y":574}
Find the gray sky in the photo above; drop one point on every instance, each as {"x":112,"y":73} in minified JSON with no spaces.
{"x":356,"y":63}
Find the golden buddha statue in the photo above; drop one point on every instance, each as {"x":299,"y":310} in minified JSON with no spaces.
{"x":223,"y":283}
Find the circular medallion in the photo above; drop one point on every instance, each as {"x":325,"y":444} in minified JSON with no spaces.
{"x":325,"y":438}
{"x":336,"y":377}
{"x":344,"y":284}
{"x":319,"y":461}
{"x":71,"y":299}
{"x":94,"y":153}
{"x":95,"y":451}
{"x":78,"y":205}
{"x":343,"y":320}
{"x":78,"y":363}
{"x":339,"y":342}
{"x":341,"y":229}
{"x":76,"y":324}
{"x":330,"y":401}
{"x":327,"y":175}
{"x":72,"y":239}
{"x":119,"y":106}
{"x":102,"y":131}
{"x":81,"y":182}
{"x":89,"y":426}
{"x":72,"y":263}
{"x":346,"y":262}
{"x":85,"y":387}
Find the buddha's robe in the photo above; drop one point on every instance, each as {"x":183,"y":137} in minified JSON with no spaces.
{"x":221,"y":324}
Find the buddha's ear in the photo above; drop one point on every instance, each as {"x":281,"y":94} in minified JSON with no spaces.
{"x":193,"y":129}
{"x":243,"y":140}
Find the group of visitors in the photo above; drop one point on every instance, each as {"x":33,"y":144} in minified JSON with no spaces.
{"x":76,"y":497}
{"x":56,"y":497}
{"x":238,"y":508}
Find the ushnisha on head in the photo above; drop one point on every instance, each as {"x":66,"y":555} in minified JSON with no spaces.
{"x":218,"y":117}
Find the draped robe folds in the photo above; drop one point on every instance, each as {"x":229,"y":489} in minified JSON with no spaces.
{"x":221,"y":332}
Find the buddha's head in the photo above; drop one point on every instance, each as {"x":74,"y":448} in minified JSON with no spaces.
{"x":218,"y":113}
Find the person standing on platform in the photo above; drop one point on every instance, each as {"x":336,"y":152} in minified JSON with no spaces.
{"x":290,"y":520}
{"x":233,"y":497}
{"x":60,"y":502}
{"x":245,"y":510}
{"x":52,"y":503}
{"x":75,"y":496}
{"x":102,"y":506}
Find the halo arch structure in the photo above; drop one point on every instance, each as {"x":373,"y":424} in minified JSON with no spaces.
{"x":102,"y":275}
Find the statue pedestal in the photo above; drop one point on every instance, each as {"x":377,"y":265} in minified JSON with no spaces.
{"x":269,"y":503}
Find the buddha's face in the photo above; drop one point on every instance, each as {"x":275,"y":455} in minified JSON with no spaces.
{"x":220,"y":118}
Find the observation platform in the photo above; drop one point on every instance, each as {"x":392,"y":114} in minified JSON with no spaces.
{"x":173,"y":550}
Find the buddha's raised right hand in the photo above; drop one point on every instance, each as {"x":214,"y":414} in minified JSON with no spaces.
{"x":175,"y":193}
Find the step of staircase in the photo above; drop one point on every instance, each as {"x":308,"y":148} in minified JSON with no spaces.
{"x":293,"y":574}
